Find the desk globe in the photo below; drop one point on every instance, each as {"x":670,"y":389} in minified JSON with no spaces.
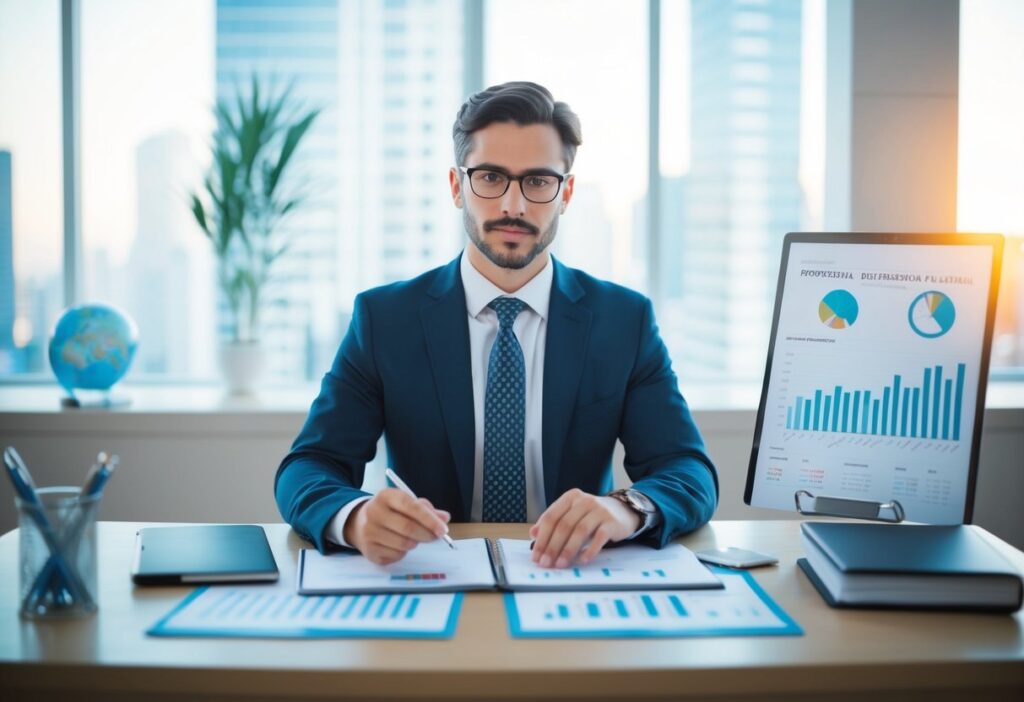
{"x":91,"y":349}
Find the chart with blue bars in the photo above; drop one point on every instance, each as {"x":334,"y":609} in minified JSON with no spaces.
{"x":929,"y":406}
{"x":575,"y":573}
{"x":276,"y":611}
{"x":741,"y":607}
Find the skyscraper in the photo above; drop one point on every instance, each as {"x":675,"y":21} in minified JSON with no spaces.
{"x":170,"y":266}
{"x":6,"y":265}
{"x":386,"y":76}
{"x":743,"y":193}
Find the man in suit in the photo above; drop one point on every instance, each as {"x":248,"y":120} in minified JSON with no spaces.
{"x":501,"y":380}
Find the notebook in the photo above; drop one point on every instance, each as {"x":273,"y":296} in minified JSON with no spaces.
{"x":908,"y":567}
{"x":485,"y":564}
{"x":203,"y":553}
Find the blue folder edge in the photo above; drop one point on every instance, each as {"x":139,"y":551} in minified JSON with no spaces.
{"x":791,"y":628}
{"x":162,"y":627}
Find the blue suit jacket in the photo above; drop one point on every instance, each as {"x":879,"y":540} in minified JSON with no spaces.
{"x":404,"y":369}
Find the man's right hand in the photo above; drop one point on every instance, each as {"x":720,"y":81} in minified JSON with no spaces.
{"x":390,"y":524}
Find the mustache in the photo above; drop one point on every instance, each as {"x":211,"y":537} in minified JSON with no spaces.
{"x":511,"y":222}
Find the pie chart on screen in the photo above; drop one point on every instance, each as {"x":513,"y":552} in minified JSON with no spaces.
{"x":931,"y":314}
{"x":838,"y":309}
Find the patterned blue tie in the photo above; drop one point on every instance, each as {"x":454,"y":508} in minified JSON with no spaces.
{"x":505,"y":421}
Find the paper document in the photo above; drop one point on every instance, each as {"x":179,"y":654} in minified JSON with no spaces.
{"x":742,"y":608}
{"x":630,"y":566}
{"x":482,"y":564}
{"x":431,"y":566}
{"x":275,"y":611}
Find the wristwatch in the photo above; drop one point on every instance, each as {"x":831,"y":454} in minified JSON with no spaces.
{"x":642,"y":505}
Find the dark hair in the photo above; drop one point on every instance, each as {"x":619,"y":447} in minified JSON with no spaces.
{"x":523,"y":103}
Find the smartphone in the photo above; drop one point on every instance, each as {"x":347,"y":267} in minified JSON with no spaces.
{"x":736,"y":557}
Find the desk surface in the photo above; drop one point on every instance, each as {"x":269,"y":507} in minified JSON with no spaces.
{"x":862,"y":653}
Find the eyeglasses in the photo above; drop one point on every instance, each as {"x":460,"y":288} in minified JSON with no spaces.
{"x":539,"y":188}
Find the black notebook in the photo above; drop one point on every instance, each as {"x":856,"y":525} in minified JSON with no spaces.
{"x":203,"y":553}
{"x":908,"y":567}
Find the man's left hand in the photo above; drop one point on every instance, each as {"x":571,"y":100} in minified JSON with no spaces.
{"x":577,"y":520}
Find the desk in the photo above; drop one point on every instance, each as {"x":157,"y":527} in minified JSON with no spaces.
{"x":862,"y":654}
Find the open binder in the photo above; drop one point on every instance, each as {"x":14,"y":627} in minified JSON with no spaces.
{"x":504,"y":564}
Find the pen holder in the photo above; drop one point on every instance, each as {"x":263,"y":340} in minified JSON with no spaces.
{"x":57,"y":554}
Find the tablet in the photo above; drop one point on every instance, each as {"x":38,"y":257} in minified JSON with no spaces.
{"x":203,"y":553}
{"x":874,"y":385}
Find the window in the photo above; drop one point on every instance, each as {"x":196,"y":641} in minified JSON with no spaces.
{"x":602,"y":74}
{"x":991,"y":152}
{"x":149,"y":76}
{"x":736,"y":159}
{"x":31,"y":196}
{"x":738,"y":170}
{"x":146,"y":91}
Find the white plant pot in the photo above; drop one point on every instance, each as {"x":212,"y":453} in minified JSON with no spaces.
{"x":242,"y":362}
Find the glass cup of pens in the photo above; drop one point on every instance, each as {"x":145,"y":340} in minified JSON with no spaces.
{"x":57,"y":562}
{"x":57,"y":547}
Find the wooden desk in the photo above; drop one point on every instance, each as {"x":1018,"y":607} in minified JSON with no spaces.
{"x":843,"y":654}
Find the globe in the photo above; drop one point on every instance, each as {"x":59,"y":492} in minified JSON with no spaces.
{"x":92,"y":347}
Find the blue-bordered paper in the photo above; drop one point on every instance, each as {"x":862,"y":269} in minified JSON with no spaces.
{"x":741,"y":609}
{"x":274,"y":611}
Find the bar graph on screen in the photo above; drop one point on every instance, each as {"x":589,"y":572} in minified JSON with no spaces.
{"x":930,"y":407}
{"x":877,"y":365}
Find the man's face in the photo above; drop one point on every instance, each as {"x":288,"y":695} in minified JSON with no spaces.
{"x":510,"y":230}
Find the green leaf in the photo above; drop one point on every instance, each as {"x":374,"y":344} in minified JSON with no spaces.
{"x":292,"y":138}
{"x":200,"y":214}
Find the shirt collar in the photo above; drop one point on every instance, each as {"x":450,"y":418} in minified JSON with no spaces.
{"x":480,"y":291}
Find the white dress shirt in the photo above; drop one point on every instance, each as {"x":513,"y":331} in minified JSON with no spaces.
{"x":530,"y":329}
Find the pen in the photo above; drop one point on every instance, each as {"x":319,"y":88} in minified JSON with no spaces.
{"x":95,"y":480}
{"x":25,"y":488}
{"x":400,"y":484}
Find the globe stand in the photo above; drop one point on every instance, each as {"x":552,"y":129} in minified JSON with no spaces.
{"x":94,"y":399}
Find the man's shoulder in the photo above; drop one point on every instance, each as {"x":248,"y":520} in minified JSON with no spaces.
{"x":596,"y":291}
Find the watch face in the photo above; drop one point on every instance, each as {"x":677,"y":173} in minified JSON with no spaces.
{"x":639,"y":501}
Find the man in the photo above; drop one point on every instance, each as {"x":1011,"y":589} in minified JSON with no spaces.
{"x":502,"y":380}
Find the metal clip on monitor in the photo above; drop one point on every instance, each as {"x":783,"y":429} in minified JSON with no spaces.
{"x":891,"y":511}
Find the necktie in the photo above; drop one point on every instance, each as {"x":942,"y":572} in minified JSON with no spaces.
{"x":505,"y":420}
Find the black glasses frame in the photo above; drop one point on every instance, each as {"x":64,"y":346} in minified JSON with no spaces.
{"x":519,"y":179}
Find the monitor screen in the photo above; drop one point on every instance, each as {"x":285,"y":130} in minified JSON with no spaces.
{"x":875,"y":380}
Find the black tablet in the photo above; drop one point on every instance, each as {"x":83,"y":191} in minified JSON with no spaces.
{"x":203,"y":553}
{"x":874,"y":387}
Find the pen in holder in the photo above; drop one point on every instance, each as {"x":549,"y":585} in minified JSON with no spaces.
{"x":57,"y":547}
{"x":57,"y":553}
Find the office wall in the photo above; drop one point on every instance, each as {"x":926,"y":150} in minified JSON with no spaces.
{"x":220,"y":467}
{"x":892,"y":114}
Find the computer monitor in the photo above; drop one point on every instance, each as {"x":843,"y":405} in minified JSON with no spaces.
{"x":874,"y":387}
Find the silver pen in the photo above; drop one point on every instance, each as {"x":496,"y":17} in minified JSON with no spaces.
{"x":400,"y":484}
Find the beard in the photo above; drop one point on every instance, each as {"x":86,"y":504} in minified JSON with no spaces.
{"x":509,"y":258}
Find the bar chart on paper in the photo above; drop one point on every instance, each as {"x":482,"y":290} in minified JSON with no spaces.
{"x":741,"y":608}
{"x":674,"y":567}
{"x":276,"y":611}
{"x":929,"y":406}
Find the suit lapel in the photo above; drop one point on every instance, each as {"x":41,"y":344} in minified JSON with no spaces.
{"x":447,"y":334}
{"x":568,"y":331}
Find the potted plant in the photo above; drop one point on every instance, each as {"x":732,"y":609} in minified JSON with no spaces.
{"x":240,"y":208}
